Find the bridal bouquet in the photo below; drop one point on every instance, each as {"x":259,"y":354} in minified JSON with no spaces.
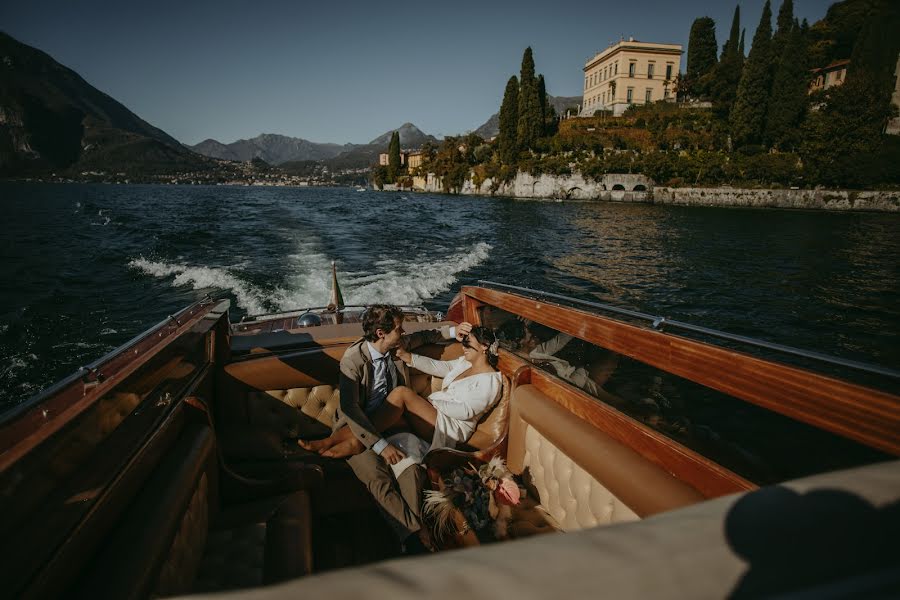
{"x":483,"y":495}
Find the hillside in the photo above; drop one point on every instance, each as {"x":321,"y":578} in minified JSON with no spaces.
{"x":51,"y":118}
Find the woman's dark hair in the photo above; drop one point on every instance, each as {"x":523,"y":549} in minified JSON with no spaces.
{"x":380,"y":316}
{"x":486,"y":338}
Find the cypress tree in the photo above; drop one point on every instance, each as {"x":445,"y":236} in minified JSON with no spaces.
{"x":542,"y":102}
{"x":528,"y":129}
{"x":726,"y":75}
{"x":748,"y":117}
{"x":509,"y":119}
{"x":785,"y":24}
{"x":788,"y":100}
{"x":701,"y":59}
{"x":741,"y":52}
{"x":394,"y":157}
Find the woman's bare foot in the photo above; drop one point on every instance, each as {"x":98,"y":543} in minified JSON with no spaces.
{"x":344,"y":449}
{"x":318,"y":446}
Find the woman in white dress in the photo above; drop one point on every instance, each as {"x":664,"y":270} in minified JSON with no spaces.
{"x":449,"y":416}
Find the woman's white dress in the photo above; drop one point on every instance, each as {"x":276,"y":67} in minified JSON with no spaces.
{"x":459,"y":403}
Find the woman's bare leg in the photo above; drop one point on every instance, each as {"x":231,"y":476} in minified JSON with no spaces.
{"x":403,"y":401}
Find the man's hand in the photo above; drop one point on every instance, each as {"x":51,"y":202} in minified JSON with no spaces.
{"x":392,"y":454}
{"x":462,"y":330}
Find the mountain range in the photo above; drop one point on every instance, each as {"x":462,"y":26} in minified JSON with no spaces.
{"x":52,"y":119}
{"x":279,"y":149}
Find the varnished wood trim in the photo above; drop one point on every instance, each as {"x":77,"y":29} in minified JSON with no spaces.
{"x":33,"y":427}
{"x":868,"y":416}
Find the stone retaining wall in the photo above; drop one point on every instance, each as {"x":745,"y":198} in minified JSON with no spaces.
{"x":804,"y":199}
{"x":638,"y":188}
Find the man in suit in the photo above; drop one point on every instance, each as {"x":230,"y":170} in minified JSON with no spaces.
{"x":368,"y":373}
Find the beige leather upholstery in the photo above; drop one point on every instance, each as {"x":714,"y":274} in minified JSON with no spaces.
{"x":320,"y":402}
{"x":567,"y":492}
{"x":582,"y":476}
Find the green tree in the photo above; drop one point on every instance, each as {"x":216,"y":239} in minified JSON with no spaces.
{"x":542,"y":102}
{"x":748,"y":117}
{"x":394,"y":157}
{"x":509,"y":120}
{"x":844,"y":141}
{"x":701,"y":58}
{"x":725,"y":77}
{"x":789,"y":98}
{"x":528,"y":128}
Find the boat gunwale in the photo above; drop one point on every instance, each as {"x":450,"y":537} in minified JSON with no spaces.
{"x":865,"y":415}
{"x":50,"y":410}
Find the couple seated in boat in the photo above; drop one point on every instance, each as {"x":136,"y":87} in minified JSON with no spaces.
{"x":374,"y":400}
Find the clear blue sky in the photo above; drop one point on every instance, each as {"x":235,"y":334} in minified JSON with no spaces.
{"x":341,"y":71}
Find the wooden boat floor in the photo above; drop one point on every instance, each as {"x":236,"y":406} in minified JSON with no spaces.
{"x":352,"y":539}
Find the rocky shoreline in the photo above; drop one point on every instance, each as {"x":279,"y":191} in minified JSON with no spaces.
{"x":640,"y":189}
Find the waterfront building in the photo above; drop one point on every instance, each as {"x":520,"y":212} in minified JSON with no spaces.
{"x":384,"y":158}
{"x":830,"y":76}
{"x":630,"y":72}
{"x":415,"y":159}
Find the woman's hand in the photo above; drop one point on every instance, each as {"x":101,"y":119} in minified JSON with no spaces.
{"x":403,"y":354}
{"x":392,"y":454}
{"x":462,"y":330}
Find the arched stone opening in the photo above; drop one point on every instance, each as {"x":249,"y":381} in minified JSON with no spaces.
{"x":618,"y":188}
{"x":640,"y":188}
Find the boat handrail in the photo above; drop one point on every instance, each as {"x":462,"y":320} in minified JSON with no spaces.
{"x":345,"y":308}
{"x":91,"y":367}
{"x":658,"y":323}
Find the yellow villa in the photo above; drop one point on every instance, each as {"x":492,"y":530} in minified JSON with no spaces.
{"x":630,"y":72}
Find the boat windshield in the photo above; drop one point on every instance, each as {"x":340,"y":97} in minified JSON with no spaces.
{"x":758,"y":444}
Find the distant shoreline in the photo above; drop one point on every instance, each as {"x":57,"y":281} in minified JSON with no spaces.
{"x":622,"y":188}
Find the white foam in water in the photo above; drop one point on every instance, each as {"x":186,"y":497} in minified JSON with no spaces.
{"x":310,"y":281}
{"x":248,"y":297}
{"x":414,"y":281}
{"x":397,"y":282}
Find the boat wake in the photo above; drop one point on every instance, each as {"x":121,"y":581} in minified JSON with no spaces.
{"x":389,"y":280}
{"x":248,"y":296}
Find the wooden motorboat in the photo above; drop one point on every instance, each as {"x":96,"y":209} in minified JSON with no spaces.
{"x":171,"y":466}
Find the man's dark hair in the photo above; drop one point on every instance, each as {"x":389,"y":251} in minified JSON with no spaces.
{"x":380,"y":316}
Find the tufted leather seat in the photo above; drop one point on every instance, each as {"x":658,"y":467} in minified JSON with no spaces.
{"x":320,"y":402}
{"x":580,"y":476}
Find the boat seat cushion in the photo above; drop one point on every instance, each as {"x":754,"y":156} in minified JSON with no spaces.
{"x":581,"y":476}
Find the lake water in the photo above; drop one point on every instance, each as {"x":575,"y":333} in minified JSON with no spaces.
{"x":86,"y":267}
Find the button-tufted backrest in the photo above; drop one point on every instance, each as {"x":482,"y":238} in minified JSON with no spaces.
{"x":320,"y":402}
{"x":583,"y":477}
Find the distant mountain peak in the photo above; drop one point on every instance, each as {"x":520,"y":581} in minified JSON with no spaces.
{"x":410,"y":136}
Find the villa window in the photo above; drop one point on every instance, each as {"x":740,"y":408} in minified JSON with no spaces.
{"x":616,"y":69}
{"x":631,"y":67}
{"x":650,"y":69}
{"x":647,"y":96}
{"x":837,"y":76}
{"x":669,"y":71}
{"x":629,"y":95}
